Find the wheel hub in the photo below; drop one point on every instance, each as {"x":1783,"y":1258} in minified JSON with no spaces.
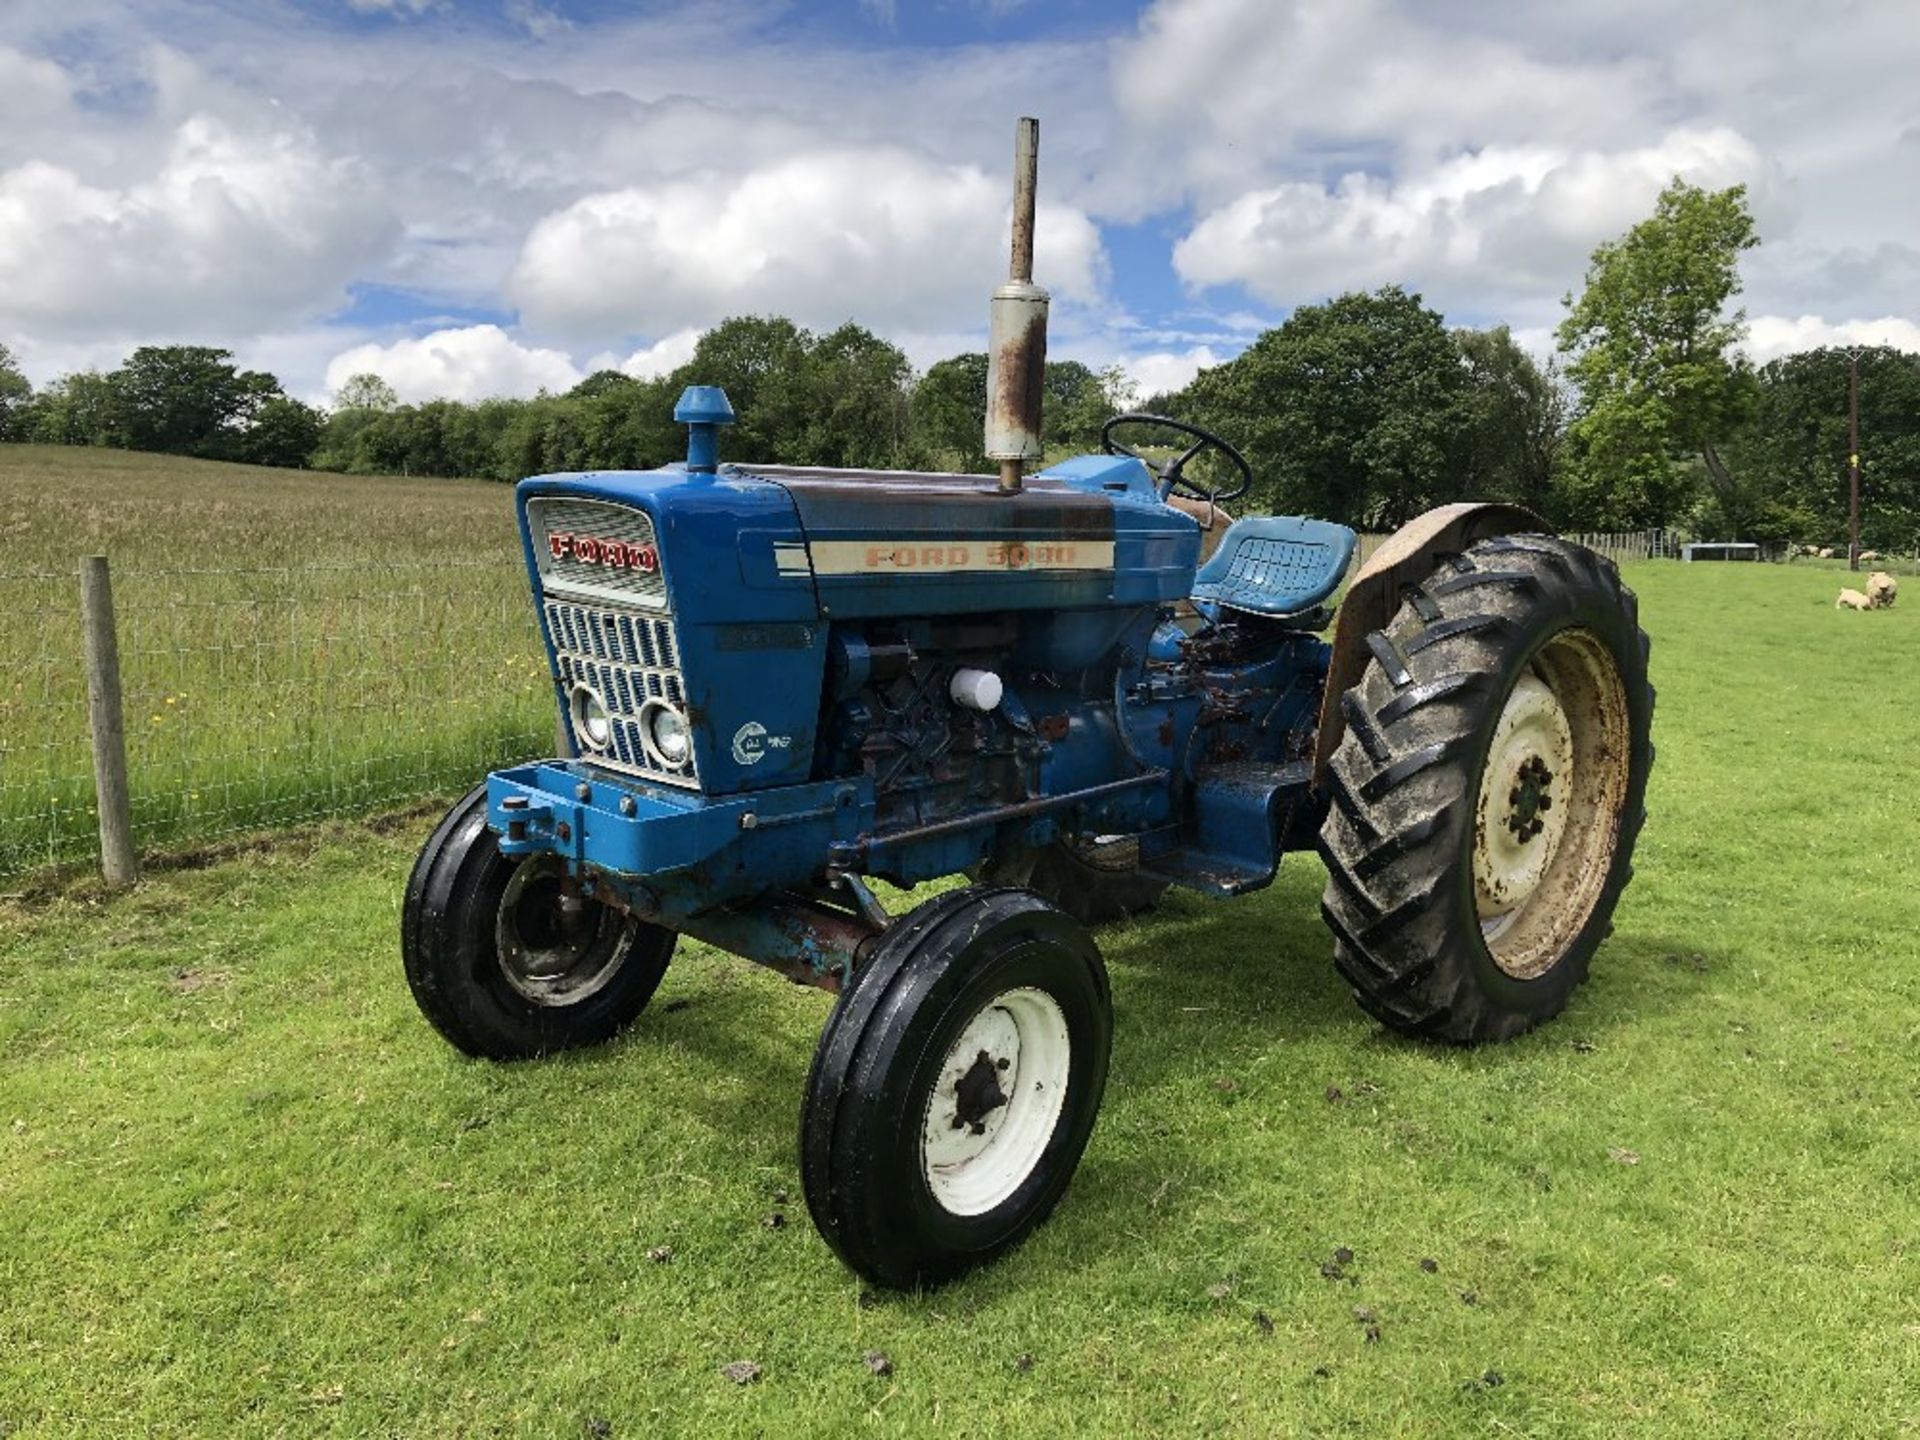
{"x":555,"y":947}
{"x":977,"y":1094}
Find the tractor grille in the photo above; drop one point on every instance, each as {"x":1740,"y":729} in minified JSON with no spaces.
{"x":627,"y":658}
{"x":625,"y":561}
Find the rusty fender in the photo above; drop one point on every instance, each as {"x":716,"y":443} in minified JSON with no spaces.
{"x":1374,"y":597}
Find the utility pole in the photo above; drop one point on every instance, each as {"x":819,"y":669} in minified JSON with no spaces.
{"x":1853,"y":459}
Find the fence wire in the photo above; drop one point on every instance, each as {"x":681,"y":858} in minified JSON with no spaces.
{"x":261,"y":698}
{"x":258,"y":698}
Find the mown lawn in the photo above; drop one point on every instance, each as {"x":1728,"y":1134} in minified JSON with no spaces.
{"x":247,"y":1191}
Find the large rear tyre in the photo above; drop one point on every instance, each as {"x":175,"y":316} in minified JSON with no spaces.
{"x":955,"y":1087}
{"x":503,"y":963}
{"x":1096,"y":881}
{"x":1488,"y":790}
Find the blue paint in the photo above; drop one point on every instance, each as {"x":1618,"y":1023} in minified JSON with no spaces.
{"x":818,"y":618}
{"x":703,"y":409}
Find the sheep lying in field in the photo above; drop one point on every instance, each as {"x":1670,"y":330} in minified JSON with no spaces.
{"x":1867,"y":557}
{"x":1882,"y":589}
{"x":1852,"y":600}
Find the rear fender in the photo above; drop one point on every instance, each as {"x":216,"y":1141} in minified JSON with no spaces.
{"x":1408,"y":557}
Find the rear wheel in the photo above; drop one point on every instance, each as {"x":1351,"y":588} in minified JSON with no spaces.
{"x":504,"y":962}
{"x":1488,"y":790}
{"x":956,"y":1086}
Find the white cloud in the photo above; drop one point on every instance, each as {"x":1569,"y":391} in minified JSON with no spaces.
{"x":396,"y":7}
{"x":879,"y":234}
{"x":235,"y":230}
{"x":538,"y":20}
{"x":1504,"y":221}
{"x":1771,"y":336}
{"x":473,"y":363}
{"x":30,"y":88}
{"x":1162,"y":371}
{"x":662,"y":357}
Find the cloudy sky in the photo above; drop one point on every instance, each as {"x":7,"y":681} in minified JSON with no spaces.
{"x":489,"y":196}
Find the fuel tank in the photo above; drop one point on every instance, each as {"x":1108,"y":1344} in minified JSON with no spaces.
{"x":884,"y":544}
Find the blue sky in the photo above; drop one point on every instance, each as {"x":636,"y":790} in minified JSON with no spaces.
{"x":489,"y":196}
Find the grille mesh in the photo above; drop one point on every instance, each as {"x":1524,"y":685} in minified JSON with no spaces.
{"x":549,"y":515}
{"x":628,"y":659}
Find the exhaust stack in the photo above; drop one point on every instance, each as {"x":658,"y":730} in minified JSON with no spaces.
{"x":1017,"y":331}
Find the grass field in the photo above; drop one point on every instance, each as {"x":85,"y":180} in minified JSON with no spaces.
{"x":248,"y":1192}
{"x":292,"y":645}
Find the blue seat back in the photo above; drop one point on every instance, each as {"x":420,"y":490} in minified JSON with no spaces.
{"x":1276,"y":565}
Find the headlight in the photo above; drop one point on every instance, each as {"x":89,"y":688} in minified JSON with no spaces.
{"x":591,"y":721}
{"x":668,"y":734}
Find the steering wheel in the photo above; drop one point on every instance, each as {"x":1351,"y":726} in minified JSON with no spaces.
{"x":1172,"y":481}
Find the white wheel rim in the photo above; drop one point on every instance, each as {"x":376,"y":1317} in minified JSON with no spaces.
{"x":1552,"y":793}
{"x":996,"y":1102}
{"x":1517,"y":825}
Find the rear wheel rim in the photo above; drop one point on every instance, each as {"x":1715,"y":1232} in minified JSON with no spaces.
{"x":1552,"y":789}
{"x":551,"y":957}
{"x":996,"y":1101}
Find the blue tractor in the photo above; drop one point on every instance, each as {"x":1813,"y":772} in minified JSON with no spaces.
{"x":783,"y":684}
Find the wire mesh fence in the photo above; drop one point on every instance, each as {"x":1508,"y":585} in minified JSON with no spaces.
{"x":259,"y":698}
{"x":256,"y":698}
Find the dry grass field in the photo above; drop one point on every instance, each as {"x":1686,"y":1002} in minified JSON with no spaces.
{"x":292,"y":644}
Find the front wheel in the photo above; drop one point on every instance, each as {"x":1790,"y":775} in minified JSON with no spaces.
{"x":956,"y":1086}
{"x":1488,"y":790}
{"x":504,"y":961}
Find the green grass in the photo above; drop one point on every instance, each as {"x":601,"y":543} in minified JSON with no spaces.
{"x":292,"y":645}
{"x":246,"y":1191}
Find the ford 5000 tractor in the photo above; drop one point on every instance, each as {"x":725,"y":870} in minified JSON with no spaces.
{"x":782,"y":684}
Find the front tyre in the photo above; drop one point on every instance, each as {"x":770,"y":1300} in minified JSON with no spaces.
{"x":1488,"y":790}
{"x":956,"y":1086}
{"x":503,"y":962}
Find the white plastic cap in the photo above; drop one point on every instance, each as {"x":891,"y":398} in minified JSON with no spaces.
{"x":975,"y":689}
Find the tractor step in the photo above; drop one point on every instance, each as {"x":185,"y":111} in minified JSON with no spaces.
{"x":1232,"y":845}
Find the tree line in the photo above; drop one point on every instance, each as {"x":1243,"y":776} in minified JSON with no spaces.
{"x":1366,"y":409}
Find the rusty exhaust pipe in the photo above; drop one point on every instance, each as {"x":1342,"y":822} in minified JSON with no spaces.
{"x":1017,"y":331}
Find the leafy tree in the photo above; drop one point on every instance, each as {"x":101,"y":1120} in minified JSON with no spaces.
{"x":1515,"y":415}
{"x":1352,"y":410}
{"x":78,"y":409}
{"x":188,"y":399}
{"x":761,"y":361}
{"x":365,"y":391}
{"x":284,"y":432}
{"x":858,"y":410}
{"x":1650,"y":347}
{"x":949,"y":408}
{"x":16,"y":397}
{"x":1791,"y":457}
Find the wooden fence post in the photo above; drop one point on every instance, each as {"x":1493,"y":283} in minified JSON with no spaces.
{"x":105,"y":719}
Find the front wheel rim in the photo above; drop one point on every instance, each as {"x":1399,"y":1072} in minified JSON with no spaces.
{"x":548,"y":956}
{"x":996,"y":1101}
{"x":1552,"y":791}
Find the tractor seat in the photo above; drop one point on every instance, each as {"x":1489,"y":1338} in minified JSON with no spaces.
{"x":1276,"y":565}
